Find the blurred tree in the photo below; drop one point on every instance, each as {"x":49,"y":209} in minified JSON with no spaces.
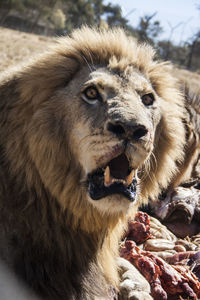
{"x":6,"y":6}
{"x":58,"y":18}
{"x":40,"y":10}
{"x":92,"y":12}
{"x":177,"y":54}
{"x":99,"y":9}
{"x":193,"y":60}
{"x":194,"y":50}
{"x":114,"y":16}
{"x":77,"y":13}
{"x":148,"y":29}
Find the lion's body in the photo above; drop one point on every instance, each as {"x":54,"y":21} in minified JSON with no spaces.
{"x":62,"y":243}
{"x":189,"y":169}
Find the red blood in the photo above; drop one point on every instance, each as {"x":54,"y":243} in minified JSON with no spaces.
{"x":166,"y":281}
{"x":139,"y":229}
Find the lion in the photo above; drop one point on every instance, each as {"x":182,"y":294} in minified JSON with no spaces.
{"x":90,"y":130}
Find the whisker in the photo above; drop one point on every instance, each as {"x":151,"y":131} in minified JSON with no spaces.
{"x":91,"y":58}
{"x":89,"y":66}
{"x":154,"y":160}
{"x":147,"y":168}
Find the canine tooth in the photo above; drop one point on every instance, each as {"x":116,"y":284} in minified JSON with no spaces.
{"x":130,"y":177}
{"x":107,"y":177}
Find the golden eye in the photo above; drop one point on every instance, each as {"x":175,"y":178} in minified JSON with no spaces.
{"x":91,"y":93}
{"x":148,"y":99}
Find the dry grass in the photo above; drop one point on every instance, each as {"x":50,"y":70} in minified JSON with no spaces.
{"x":17,"y":47}
{"x":192,"y":79}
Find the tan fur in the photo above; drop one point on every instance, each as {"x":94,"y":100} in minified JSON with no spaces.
{"x":189,"y":84}
{"x":51,"y":139}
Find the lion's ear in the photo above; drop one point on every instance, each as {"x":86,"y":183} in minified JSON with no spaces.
{"x":40,"y":79}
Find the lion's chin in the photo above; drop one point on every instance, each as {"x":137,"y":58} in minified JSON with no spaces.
{"x":113,"y":204}
{"x":97,"y":192}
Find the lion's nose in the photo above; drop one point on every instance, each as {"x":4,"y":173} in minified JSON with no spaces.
{"x":123,"y":130}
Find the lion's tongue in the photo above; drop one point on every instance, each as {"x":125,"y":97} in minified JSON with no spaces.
{"x":119,"y":167}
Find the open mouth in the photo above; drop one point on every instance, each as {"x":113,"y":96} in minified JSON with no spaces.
{"x":115,"y":178}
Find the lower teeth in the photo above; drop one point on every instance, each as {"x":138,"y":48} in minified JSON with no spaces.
{"x":118,"y":180}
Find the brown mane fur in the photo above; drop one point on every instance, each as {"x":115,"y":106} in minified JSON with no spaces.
{"x":48,"y":225}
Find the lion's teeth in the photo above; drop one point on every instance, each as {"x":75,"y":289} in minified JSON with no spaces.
{"x":130,"y":177}
{"x":107,"y":177}
{"x":118,"y":180}
{"x":136,"y":175}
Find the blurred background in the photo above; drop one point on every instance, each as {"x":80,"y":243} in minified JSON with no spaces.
{"x":172,"y":27}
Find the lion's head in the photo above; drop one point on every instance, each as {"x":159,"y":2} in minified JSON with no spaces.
{"x":99,"y":122}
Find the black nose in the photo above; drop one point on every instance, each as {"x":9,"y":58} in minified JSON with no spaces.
{"x":123,"y":130}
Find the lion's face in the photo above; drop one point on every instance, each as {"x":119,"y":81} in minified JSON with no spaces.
{"x":113,"y":118}
{"x":105,"y":123}
{"x":94,"y":123}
